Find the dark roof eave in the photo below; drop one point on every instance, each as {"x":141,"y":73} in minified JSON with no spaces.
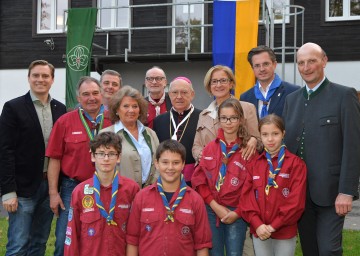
{"x":108,"y":59}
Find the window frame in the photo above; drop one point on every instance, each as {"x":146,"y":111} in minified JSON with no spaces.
{"x":346,"y":13}
{"x":37,"y":20}
{"x":113,"y":22}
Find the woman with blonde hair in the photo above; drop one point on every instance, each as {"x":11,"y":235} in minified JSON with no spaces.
{"x":219,"y":82}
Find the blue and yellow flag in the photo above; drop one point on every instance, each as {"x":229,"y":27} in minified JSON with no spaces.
{"x":235,"y":32}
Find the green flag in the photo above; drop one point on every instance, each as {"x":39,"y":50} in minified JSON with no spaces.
{"x":81,"y":24}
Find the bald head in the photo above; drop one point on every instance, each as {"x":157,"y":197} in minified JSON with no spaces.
{"x":315,"y":48}
{"x":311,"y":60}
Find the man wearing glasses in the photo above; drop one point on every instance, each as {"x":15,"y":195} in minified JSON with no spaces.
{"x":269,"y":93}
{"x":159,"y":101}
{"x":180,"y":122}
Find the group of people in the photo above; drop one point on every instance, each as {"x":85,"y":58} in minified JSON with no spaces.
{"x":131,"y":175}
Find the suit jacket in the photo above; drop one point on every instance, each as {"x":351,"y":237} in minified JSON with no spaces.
{"x":331,"y":122}
{"x":277,"y":102}
{"x":22,"y":145}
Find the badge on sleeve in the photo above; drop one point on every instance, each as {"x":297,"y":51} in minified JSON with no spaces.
{"x":70,"y":216}
{"x":88,"y":202}
{"x":88,"y":190}
{"x":68,"y":240}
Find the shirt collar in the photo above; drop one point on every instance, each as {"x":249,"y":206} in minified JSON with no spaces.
{"x":35,"y":99}
{"x":266,"y":88}
{"x":316,"y":87}
{"x":183,"y":113}
{"x":118,"y":126}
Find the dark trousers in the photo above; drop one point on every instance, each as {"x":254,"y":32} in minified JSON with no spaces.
{"x":320,"y":230}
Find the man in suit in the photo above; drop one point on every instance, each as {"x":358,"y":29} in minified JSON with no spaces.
{"x":181,"y":121}
{"x":159,"y":101}
{"x":25,"y":125}
{"x":322,"y":122}
{"x":269,"y":93}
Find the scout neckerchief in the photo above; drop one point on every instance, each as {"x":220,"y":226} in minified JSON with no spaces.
{"x":170,"y":212}
{"x":97,"y":124}
{"x":176,"y":127}
{"x":225,"y":158}
{"x":258,"y":95}
{"x":114,"y":190}
{"x":157,"y":104}
{"x":272,"y":172}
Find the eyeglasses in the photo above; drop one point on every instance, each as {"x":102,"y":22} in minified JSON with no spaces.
{"x":232,"y":119}
{"x":101,"y":155}
{"x":182,"y":93}
{"x":264,"y":65}
{"x":157,"y":79}
{"x":222,"y":81}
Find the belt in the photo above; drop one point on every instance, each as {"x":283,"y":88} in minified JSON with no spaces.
{"x":71,"y":179}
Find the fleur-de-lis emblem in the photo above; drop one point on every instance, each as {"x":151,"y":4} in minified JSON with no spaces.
{"x":78,"y":58}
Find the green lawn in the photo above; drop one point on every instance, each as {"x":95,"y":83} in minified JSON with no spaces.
{"x":351,"y":241}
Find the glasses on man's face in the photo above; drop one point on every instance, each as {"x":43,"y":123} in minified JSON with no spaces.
{"x":102,"y":155}
{"x":176,"y":93}
{"x":222,"y":81}
{"x":263,"y":65}
{"x":157,"y":78}
{"x":232,"y":119}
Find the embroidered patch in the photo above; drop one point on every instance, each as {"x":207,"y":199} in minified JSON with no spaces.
{"x":88,"y":210}
{"x":188,"y":211}
{"x":284,"y":175}
{"x":70,"y":216}
{"x":238,"y":164}
{"x":148,"y":228}
{"x":67,"y":240}
{"x":91,"y":232}
{"x":256,"y":177}
{"x":80,"y":132}
{"x":234,"y":181}
{"x":68,"y":231}
{"x":185,"y":230}
{"x":208,"y":158}
{"x":285,"y":192}
{"x":88,"y":202}
{"x":123,"y":226}
{"x":124,"y":206}
{"x":148,"y":209}
{"x":88,"y":190}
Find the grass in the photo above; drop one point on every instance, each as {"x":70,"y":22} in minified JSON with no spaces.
{"x":50,"y":246}
{"x":351,"y":240}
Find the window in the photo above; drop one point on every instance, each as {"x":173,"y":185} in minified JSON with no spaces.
{"x":113,"y":14}
{"x":278,"y":10}
{"x":338,"y":10}
{"x":50,"y":16}
{"x":184,"y":14}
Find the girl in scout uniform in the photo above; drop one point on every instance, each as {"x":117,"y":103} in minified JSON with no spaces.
{"x":219,"y":178}
{"x":273,"y":196}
